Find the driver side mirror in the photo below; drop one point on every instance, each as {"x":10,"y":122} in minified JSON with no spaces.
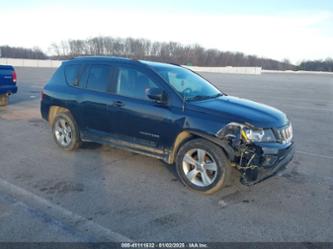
{"x":157,"y":94}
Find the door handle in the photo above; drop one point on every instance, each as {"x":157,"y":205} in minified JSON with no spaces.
{"x":118,"y":104}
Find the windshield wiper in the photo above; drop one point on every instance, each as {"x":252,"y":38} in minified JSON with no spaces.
{"x":203,"y":97}
{"x":217,"y":95}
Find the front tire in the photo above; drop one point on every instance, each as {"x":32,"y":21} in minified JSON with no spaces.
{"x":203,"y":166}
{"x":65,"y":132}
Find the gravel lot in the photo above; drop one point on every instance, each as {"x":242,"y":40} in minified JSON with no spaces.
{"x":102,"y":194}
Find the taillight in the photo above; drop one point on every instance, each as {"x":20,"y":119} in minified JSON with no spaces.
{"x":14,"y":76}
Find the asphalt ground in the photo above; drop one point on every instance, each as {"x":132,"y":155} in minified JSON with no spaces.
{"x":103,"y":194}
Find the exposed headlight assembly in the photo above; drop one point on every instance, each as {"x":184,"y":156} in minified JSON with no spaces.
{"x":247,"y":132}
{"x":258,"y":135}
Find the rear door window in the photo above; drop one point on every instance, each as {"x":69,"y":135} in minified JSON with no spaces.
{"x":100,"y":78}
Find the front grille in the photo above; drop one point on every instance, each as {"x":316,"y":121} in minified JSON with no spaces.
{"x":285,"y":134}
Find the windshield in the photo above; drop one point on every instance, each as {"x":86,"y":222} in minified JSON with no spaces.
{"x":188,"y":84}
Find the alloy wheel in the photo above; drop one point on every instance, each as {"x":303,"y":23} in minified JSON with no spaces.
{"x":199,"y":167}
{"x":63,"y":132}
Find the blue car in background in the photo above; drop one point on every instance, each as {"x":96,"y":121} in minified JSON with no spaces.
{"x":7,"y":83}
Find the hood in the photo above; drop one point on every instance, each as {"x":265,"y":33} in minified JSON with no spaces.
{"x":233,"y":109}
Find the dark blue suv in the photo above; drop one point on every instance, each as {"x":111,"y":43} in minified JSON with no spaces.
{"x":7,"y":83}
{"x":167,"y":112}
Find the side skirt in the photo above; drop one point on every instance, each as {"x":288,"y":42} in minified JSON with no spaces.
{"x":120,"y":144}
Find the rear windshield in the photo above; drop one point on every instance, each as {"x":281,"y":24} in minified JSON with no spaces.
{"x":6,"y":71}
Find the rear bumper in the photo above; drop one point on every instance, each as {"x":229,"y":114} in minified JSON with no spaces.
{"x":8,"y":89}
{"x":274,"y":160}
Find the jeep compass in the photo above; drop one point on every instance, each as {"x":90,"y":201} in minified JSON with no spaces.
{"x":168,"y":112}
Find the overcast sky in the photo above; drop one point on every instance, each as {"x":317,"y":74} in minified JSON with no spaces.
{"x":281,"y":29}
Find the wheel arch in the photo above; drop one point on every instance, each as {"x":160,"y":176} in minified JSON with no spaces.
{"x":54,"y":110}
{"x":187,"y":135}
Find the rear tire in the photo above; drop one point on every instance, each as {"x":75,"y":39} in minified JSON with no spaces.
{"x":65,"y":132}
{"x":203,"y":166}
{"x":3,"y":100}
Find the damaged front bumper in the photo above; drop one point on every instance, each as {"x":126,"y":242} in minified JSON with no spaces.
{"x":255,"y":156}
{"x":274,"y":158}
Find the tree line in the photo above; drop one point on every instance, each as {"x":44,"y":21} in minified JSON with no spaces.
{"x":172,"y":52}
{"x":317,"y":65}
{"x":27,"y":53}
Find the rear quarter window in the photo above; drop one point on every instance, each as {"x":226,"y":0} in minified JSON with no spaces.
{"x":72,"y":74}
{"x":58,"y":78}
